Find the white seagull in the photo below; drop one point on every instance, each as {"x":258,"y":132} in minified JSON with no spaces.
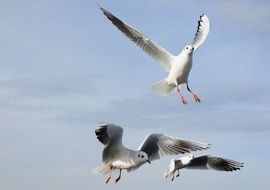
{"x":205,"y":162}
{"x":178,"y":66}
{"x":116,"y":156}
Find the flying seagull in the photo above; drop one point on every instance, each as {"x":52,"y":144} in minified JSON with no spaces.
{"x":177,"y":67}
{"x":205,"y":162}
{"x":116,"y":156}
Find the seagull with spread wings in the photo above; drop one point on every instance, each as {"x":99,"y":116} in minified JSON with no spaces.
{"x":178,"y":67}
{"x":205,"y":162}
{"x":116,"y":156}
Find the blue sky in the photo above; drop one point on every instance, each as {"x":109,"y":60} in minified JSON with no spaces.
{"x":64,"y":68}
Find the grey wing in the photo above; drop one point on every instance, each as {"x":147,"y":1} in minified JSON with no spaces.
{"x":158,"y":145}
{"x":158,"y":53}
{"x":208,"y":162}
{"x":202,"y":31}
{"x":111,"y":136}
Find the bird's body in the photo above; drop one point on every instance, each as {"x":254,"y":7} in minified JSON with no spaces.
{"x":116,"y":156}
{"x":178,"y":67}
{"x":205,"y":162}
{"x":124,"y":160}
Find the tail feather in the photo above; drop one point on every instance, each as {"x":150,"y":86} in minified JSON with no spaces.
{"x":163,"y":88}
{"x":102,"y":169}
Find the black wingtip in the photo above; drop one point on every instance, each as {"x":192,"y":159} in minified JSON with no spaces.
{"x":100,"y":127}
{"x":101,"y":7}
{"x":101,"y":133}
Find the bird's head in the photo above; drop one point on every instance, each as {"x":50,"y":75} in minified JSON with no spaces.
{"x":190,"y":157}
{"x":189,"y":49}
{"x":142,"y":157}
{"x":186,"y":159}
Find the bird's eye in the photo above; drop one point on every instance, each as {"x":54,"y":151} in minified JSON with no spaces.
{"x":186,"y":47}
{"x":139,"y":155}
{"x":142,"y":156}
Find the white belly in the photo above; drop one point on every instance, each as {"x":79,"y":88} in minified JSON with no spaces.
{"x":180,"y":72}
{"x":118,"y":164}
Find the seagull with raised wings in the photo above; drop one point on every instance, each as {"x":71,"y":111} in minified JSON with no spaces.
{"x":178,"y":67}
{"x":205,"y":162}
{"x":116,"y":156}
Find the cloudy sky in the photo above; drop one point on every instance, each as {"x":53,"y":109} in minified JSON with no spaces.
{"x":64,"y":68}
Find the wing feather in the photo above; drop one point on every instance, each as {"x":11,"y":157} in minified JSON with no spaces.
{"x":202,"y":31}
{"x":162,"y":56}
{"x":111,"y":136}
{"x":158,"y":145}
{"x":209,"y":162}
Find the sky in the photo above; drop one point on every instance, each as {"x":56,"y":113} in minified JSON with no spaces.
{"x":64,"y":68}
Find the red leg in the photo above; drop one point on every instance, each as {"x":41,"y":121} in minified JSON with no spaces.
{"x":119,"y":177}
{"x":182,"y":97}
{"x":172,"y":178}
{"x":110,"y":175}
{"x":197,"y":99}
{"x":177,"y":173}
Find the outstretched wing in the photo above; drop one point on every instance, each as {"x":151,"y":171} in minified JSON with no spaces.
{"x":111,"y":136}
{"x":158,"y":53}
{"x":158,"y":145}
{"x":202,"y":31}
{"x":208,"y":162}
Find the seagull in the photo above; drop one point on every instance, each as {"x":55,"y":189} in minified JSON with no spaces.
{"x":178,"y":67}
{"x":116,"y":156}
{"x":205,"y":162}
